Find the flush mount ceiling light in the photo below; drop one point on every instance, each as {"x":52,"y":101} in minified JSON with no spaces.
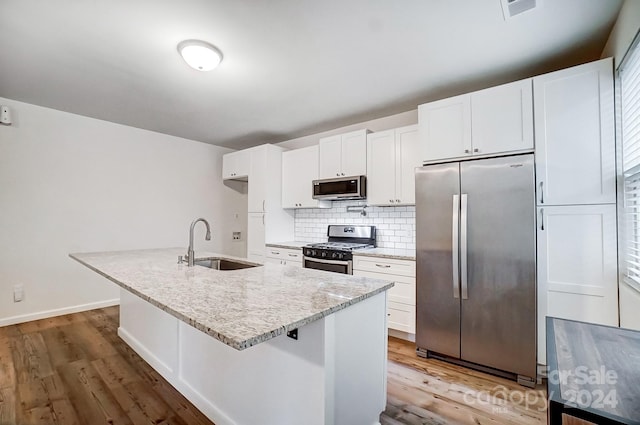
{"x":199,"y":54}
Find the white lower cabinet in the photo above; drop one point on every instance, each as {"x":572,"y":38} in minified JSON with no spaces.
{"x":284,"y":256}
{"x":577,"y":266}
{"x":401,"y":299}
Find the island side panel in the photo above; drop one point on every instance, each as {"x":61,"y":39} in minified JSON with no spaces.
{"x":151,"y":332}
{"x":357,"y":352}
{"x":277,"y":382}
{"x":334,"y":374}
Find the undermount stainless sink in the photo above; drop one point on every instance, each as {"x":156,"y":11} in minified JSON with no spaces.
{"x":223,"y":264}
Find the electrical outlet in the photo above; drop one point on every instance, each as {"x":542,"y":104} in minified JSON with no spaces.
{"x":18,"y":293}
{"x":237,"y":236}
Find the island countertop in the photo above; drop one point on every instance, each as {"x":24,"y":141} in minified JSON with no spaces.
{"x":241,"y":308}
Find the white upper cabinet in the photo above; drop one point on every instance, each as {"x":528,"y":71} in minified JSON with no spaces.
{"x":299,"y":169}
{"x":575,"y":147}
{"x":407,"y":159}
{"x":392,"y":156}
{"x":381,"y":160}
{"x":343,"y":155}
{"x":486,"y":122}
{"x":354,"y":153}
{"x":235,"y":165}
{"x":502,"y":118}
{"x":445,"y":128}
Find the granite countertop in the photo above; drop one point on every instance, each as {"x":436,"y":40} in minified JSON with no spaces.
{"x":398,"y":254}
{"x":241,"y":308}
{"x":288,"y":244}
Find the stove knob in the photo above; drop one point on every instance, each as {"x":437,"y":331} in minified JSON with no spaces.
{"x":335,"y":255}
{"x":324,"y":254}
{"x":339,"y":255}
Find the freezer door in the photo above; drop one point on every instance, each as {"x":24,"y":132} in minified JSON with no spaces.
{"x":437,"y":266}
{"x":498,"y":319}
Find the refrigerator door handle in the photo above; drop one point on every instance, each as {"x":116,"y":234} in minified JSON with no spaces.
{"x":463,"y":245}
{"x":454,"y":245}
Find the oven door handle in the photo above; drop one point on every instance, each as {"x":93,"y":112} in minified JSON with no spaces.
{"x":347,"y":263}
{"x":318,"y":260}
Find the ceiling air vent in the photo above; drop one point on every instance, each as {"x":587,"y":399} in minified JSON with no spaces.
{"x":511,"y":8}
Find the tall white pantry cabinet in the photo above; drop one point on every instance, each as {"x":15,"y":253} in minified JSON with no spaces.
{"x":576,"y":196}
{"x":267,"y":221}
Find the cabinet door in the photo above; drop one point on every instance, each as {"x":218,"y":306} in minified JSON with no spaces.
{"x":255,"y":237}
{"x":577,"y":266}
{"x":330,"y":157}
{"x":574,"y":125}
{"x":257,"y":190}
{"x":354,"y":153}
{"x":381,"y":163}
{"x":299,"y":169}
{"x":229,"y":161}
{"x":445,"y":128}
{"x":407,"y":159}
{"x":235,"y":165}
{"x":502,"y":118}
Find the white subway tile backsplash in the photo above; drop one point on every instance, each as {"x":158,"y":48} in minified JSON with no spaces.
{"x":395,"y":225}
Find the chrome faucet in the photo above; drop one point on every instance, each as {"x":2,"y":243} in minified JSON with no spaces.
{"x":190,"y":253}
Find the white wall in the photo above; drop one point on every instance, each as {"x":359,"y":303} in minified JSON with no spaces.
{"x":71,"y":184}
{"x":623,"y":31}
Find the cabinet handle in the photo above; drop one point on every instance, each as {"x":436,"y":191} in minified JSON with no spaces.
{"x":338,"y":174}
{"x":384,"y":266}
{"x":275,"y":252}
{"x":391,"y":200}
{"x":293,"y":255}
{"x":542,"y":219}
{"x":542,"y":192}
{"x":342,"y":174}
{"x":398,"y":200}
{"x":476,"y":150}
{"x":466,"y":151}
{"x":263,"y":219}
{"x":263,"y":210}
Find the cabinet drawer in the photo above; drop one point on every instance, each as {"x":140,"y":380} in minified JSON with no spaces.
{"x":385,"y":265}
{"x":284,"y":254}
{"x":404,"y":290}
{"x":401,"y":317}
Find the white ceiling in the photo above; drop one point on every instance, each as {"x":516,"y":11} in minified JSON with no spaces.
{"x":290,"y":68}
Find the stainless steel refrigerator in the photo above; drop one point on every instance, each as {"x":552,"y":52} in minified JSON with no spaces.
{"x":476,"y":286}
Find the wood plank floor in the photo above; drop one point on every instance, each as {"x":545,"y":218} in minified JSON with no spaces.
{"x":428,"y":391}
{"x":75,"y":370}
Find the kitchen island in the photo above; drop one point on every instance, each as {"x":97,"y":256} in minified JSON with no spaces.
{"x":225,"y":338}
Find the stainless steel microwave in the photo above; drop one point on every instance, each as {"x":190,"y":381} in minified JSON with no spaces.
{"x":340,"y":188}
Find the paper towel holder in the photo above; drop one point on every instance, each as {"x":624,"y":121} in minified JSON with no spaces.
{"x":5,"y":115}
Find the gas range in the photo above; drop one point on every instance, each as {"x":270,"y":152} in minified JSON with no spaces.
{"x":334,"y":250}
{"x":337,"y":253}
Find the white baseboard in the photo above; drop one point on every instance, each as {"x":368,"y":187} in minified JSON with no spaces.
{"x":161,"y":367}
{"x":402,"y":335}
{"x":57,"y":312}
